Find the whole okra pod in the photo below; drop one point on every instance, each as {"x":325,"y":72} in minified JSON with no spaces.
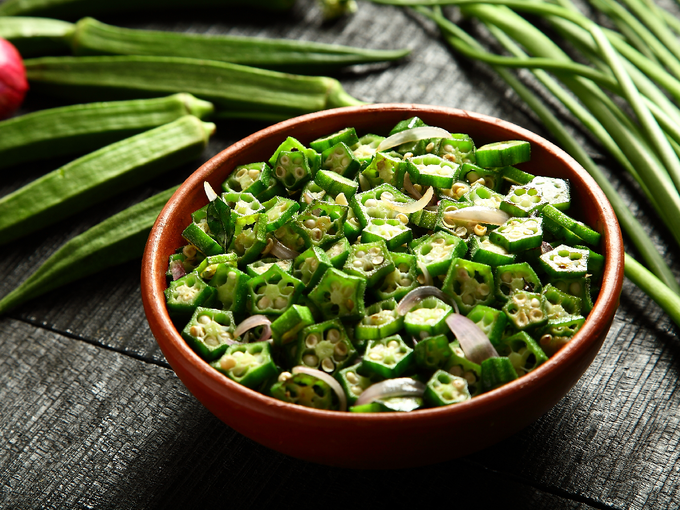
{"x":236,"y":91}
{"x":92,"y":37}
{"x":116,"y":240}
{"x":100,"y":175}
{"x":78,"y":129}
{"x":35,"y":37}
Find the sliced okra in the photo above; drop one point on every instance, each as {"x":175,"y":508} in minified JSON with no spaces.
{"x":446,"y":220}
{"x":249,"y":240}
{"x":491,"y":321}
{"x":595,"y":262}
{"x":510,"y":152}
{"x":425,"y":218}
{"x":370,"y":261}
{"x":385,"y":169}
{"x":392,"y":232}
{"x":187,"y":293}
{"x":458,"y":192}
{"x":206,"y":269}
{"x":483,"y":196}
{"x":576,"y":286}
{"x":558,"y":332}
{"x":483,"y":250}
{"x":352,"y":227}
{"x":445,"y":389}
{"x":488,"y":177}
{"x":387,"y":357}
{"x":433,"y":353}
{"x":401,"y":281}
{"x":523,"y":351}
{"x":365,"y":148}
{"x":338,"y":253}
{"x":496,"y":372}
{"x":435,"y":252}
{"x":524,"y":200}
{"x":292,"y":169}
{"x":341,"y":160}
{"x":279,"y":210}
{"x":518,"y":234}
{"x":560,"y":304}
{"x":334,"y":184}
{"x":427,"y":318}
{"x":431,"y":170}
{"x":287,"y":326}
{"x":311,"y":192}
{"x":291,"y":144}
{"x":353,"y":383}
{"x":209,"y":332}
{"x":512,"y":277}
{"x":247,"y":364}
{"x":469,"y":284}
{"x":321,"y":224}
{"x":460,"y":148}
{"x":377,"y":202}
{"x":244,"y":206}
{"x":290,"y":237}
{"x":565,"y":262}
{"x":325,"y":347}
{"x":555,"y":191}
{"x":381,"y":320}
{"x":247,"y":179}
{"x":339,"y":294}
{"x":516,"y":176}
{"x":262,"y":265}
{"x":187,"y":258}
{"x":460,"y":366}
{"x":310,"y":265}
{"x":305,"y":390}
{"x":273,"y":292}
{"x":577,"y":228}
{"x":232,"y":288}
{"x":198,"y":235}
{"x":347,"y":136}
{"x":526,"y":310}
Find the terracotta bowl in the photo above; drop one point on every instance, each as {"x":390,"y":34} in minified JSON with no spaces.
{"x":383,"y":440}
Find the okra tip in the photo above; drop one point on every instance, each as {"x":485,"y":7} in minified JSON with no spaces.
{"x":209,"y":128}
{"x":195,"y":106}
{"x":338,"y":97}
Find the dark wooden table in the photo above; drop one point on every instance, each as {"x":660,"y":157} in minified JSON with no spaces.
{"x":91,"y":415}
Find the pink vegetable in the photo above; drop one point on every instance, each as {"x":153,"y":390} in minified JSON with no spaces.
{"x":13,"y":84}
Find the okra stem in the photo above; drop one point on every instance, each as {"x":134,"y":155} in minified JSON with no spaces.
{"x":82,"y":128}
{"x":114,"y":241}
{"x":237,"y":91}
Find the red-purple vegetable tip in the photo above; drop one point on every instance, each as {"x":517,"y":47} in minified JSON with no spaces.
{"x":13,"y":84}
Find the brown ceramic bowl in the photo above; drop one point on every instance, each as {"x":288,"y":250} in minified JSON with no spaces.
{"x":383,"y":440}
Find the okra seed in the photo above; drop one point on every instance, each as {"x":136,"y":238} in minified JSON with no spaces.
{"x":327,"y":365}
{"x":408,"y":155}
{"x":317,"y":234}
{"x":311,"y":360}
{"x":284,"y":376}
{"x":263,"y":303}
{"x":371,"y":202}
{"x":459,"y":352}
{"x":461,"y":232}
{"x":402,"y":218}
{"x":429,"y":147}
{"x":449,"y":157}
{"x":470,"y":377}
{"x":227,"y":363}
{"x":480,"y":230}
{"x":311,"y":341}
{"x":310,"y":224}
{"x":387,"y":196}
{"x":405,"y":282}
{"x":204,"y":319}
{"x":536,"y":315}
{"x":299,"y":172}
{"x":254,"y":174}
{"x":340,"y":351}
{"x":378,"y":260}
{"x":280,"y":303}
{"x":393,"y":344}
{"x":456,"y":370}
{"x":239,"y":370}
{"x":211,"y":341}
{"x":535,"y":303}
{"x":349,"y":304}
{"x":197,"y":331}
{"x":352,"y":378}
{"x":357,"y":390}
{"x":333,"y":335}
{"x":280,"y":172}
{"x":458,"y":384}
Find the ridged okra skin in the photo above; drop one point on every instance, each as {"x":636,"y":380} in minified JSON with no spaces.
{"x":36,"y":37}
{"x":81,"y":128}
{"x":236,"y":91}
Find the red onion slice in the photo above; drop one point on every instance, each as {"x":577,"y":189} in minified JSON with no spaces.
{"x":400,"y":387}
{"x":281,"y":251}
{"x":473,"y":341}
{"x":328,"y":379}
{"x":479,"y":214}
{"x":209,"y":191}
{"x":411,"y":207}
{"x":418,"y":294}
{"x":177,"y":269}
{"x":412,"y":135}
{"x":252,"y":322}
{"x":426,"y":274}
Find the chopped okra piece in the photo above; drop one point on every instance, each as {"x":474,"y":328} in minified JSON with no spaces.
{"x":558,"y":332}
{"x":518,"y":234}
{"x":353,"y":383}
{"x":576,"y":286}
{"x":198,"y":235}
{"x":285,"y":327}
{"x":512,"y":277}
{"x":555,"y":191}
{"x":249,"y":240}
{"x":496,"y":372}
{"x":425,"y":218}
{"x":247,"y":364}
{"x":483,"y":250}
{"x":515,"y":175}
{"x":436,"y":251}
{"x":488,"y":177}
{"x":338,"y":253}
{"x":324,"y":347}
{"x":377,"y":202}
{"x":458,"y":149}
{"x":246,"y":178}
{"x":209,"y":332}
{"x":469,"y":284}
{"x":400,"y":281}
{"x":187,"y":293}
{"x":291,"y":144}
{"x":565,"y":261}
{"x":278,"y":211}
{"x":321,"y":224}
{"x":595,"y":262}
{"x":385,"y":169}
{"x":510,"y":152}
{"x":410,"y":123}
{"x":347,"y":136}
{"x":433,"y":353}
{"x":292,"y":169}
{"x":392,"y":232}
{"x":290,"y":237}
{"x":305,"y":390}
{"x":309,"y":266}
{"x":381,"y":320}
{"x":560,"y":304}
{"x":261,"y":266}
{"x":431,"y":170}
{"x":523,"y":201}
{"x":457,"y":192}
{"x":490,"y":320}
{"x":447,"y":221}
{"x":523,"y":351}
{"x":186,"y":259}
{"x":427,"y":318}
{"x":352,"y":227}
{"x":206,"y":269}
{"x":445,"y":389}
{"x":244,"y":206}
{"x":576,"y":227}
{"x":484,"y":196}
{"x":341,"y":160}
{"x":460,"y":366}
{"x":388,"y":357}
{"x":370,"y":261}
{"x":334,"y":184}
{"x":232,"y":288}
{"x":339,"y":295}
{"x":273,"y":291}
{"x":526,"y":310}
{"x":365,"y":148}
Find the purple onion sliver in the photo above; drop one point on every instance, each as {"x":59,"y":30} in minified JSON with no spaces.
{"x":473,"y":341}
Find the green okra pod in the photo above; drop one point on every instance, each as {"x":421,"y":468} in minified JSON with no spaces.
{"x":100,"y":175}
{"x":92,"y":37}
{"x":35,"y":37}
{"x":236,"y":91}
{"x":82,"y":128}
{"x":116,"y":240}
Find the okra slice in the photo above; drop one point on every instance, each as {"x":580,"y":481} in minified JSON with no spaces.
{"x":496,"y":372}
{"x":491,"y":321}
{"x":483,"y":196}
{"x":247,"y":364}
{"x":519,"y":234}
{"x":516,"y":176}
{"x":392,"y":232}
{"x":524,"y":200}
{"x":287,"y":326}
{"x":209,"y":332}
{"x":446,"y":220}
{"x":460,"y":148}
{"x":348,"y":136}
{"x":431,"y":170}
{"x":483,"y":250}
{"x":444,"y":389}
{"x":249,"y":240}
{"x":279,"y":210}
{"x":433,"y":353}
{"x":354,"y":383}
{"x":381,"y":320}
{"x":510,"y":152}
{"x":187,"y":293}
{"x":309,"y":266}
{"x":262,"y":266}
{"x":435,"y":252}
{"x":247,"y":179}
{"x":401,"y":281}
{"x":370,"y":204}
{"x":523,"y":352}
{"x":565,"y":262}
{"x":232,"y":288}
{"x":460,"y":366}
{"x":365,"y":149}
{"x":555,"y":191}
{"x":560,"y":304}
{"x":457,"y":192}
{"x":558,"y":332}
{"x":321,"y":224}
{"x":387,"y":357}
{"x":370,"y":261}
{"x":338,"y":253}
{"x":305,"y":390}
{"x":526,"y":310}
{"x":352,"y":227}
{"x":289,"y":236}
{"x":512,"y":277}
{"x":425,"y":218}
{"x":385,"y":169}
{"x":578,"y":286}
{"x":184,"y":261}
{"x":198,"y":235}
{"x":339,"y":294}
{"x":292,"y":169}
{"x":469,"y":284}
{"x":208,"y":266}
{"x":489,"y":177}
{"x":325,"y":347}
{"x":579,"y":229}
{"x":341,"y":160}
{"x":334,"y":184}
{"x":244,"y":206}
{"x":595,"y":262}
{"x":274,"y":291}
{"x":427,"y":318}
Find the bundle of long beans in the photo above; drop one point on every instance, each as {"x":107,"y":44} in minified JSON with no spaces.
{"x":625,"y":95}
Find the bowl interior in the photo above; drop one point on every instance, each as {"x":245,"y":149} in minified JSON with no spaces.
{"x":265,"y":419}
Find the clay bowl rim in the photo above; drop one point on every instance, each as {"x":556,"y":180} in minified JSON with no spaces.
{"x":176,"y":349}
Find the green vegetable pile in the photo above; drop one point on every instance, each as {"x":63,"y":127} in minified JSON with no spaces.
{"x":392,"y":273}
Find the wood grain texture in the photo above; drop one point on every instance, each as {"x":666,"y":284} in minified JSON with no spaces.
{"x":92,"y":417}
